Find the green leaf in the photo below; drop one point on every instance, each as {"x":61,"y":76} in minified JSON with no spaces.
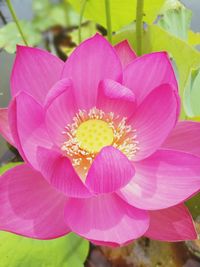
{"x":48,"y":15}
{"x":87,"y":31}
{"x":197,"y":118}
{"x":192,"y":94}
{"x":122,"y":13}
{"x":169,"y":4}
{"x":8,"y":166}
{"x":40,"y":6}
{"x":10,"y":36}
{"x":176,"y":20}
{"x":129,"y":33}
{"x":185,"y":56}
{"x":67,"y":251}
{"x":194,"y":38}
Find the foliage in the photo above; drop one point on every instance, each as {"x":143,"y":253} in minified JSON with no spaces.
{"x":122,"y":13}
{"x":66,"y":251}
{"x":48,"y":15}
{"x":8,"y":166}
{"x":176,"y":21}
{"x":186,"y":60}
{"x":87,"y":31}
{"x":9,"y":36}
{"x":192,"y":94}
{"x":194,"y":38}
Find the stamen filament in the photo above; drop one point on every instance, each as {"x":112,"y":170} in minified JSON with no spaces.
{"x":124,"y":137}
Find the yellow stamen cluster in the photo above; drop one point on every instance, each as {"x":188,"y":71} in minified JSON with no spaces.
{"x":93,"y":130}
{"x":93,"y":135}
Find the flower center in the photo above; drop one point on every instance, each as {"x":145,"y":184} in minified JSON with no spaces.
{"x":92,"y":135}
{"x":92,"y":130}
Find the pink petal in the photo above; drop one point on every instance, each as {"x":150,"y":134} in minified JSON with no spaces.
{"x":94,"y":60}
{"x":12,"y":118}
{"x":58,"y":170}
{"x":185,"y":137}
{"x":106,"y":218}
{"x":34,"y":72}
{"x":29,"y":206}
{"x":108,"y":244}
{"x":114,"y":97}
{"x":125,"y":53}
{"x":172,"y":225}
{"x":147,"y":72}
{"x":154,"y":119}
{"x":109,"y":171}
{"x":4,"y":126}
{"x":163,"y":180}
{"x":30,"y":127}
{"x":60,"y":109}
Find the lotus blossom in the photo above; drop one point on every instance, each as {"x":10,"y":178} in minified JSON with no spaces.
{"x":104,"y":154}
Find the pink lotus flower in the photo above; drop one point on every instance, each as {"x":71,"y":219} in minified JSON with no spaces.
{"x":104,"y":154}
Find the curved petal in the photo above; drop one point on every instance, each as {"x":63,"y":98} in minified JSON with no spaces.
{"x":163,"y":180}
{"x":125,"y":53}
{"x":4,"y":126}
{"x":106,"y":218}
{"x":30,"y":127}
{"x":12,"y":118}
{"x":184,"y":137}
{"x":58,"y":170}
{"x":106,"y":175}
{"x":34,"y":72}
{"x":108,"y":244}
{"x":94,"y":60}
{"x":173,"y":224}
{"x":29,"y":206}
{"x":114,"y":97}
{"x":154,"y":119}
{"x":148,"y":72}
{"x":60,"y":108}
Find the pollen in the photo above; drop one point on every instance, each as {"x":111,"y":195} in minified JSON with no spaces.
{"x":92,"y":130}
{"x":92,"y":135}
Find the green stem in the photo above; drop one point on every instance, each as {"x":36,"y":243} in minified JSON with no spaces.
{"x":14,"y":16}
{"x":108,"y":20}
{"x":80,"y":20}
{"x":139,"y":26}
